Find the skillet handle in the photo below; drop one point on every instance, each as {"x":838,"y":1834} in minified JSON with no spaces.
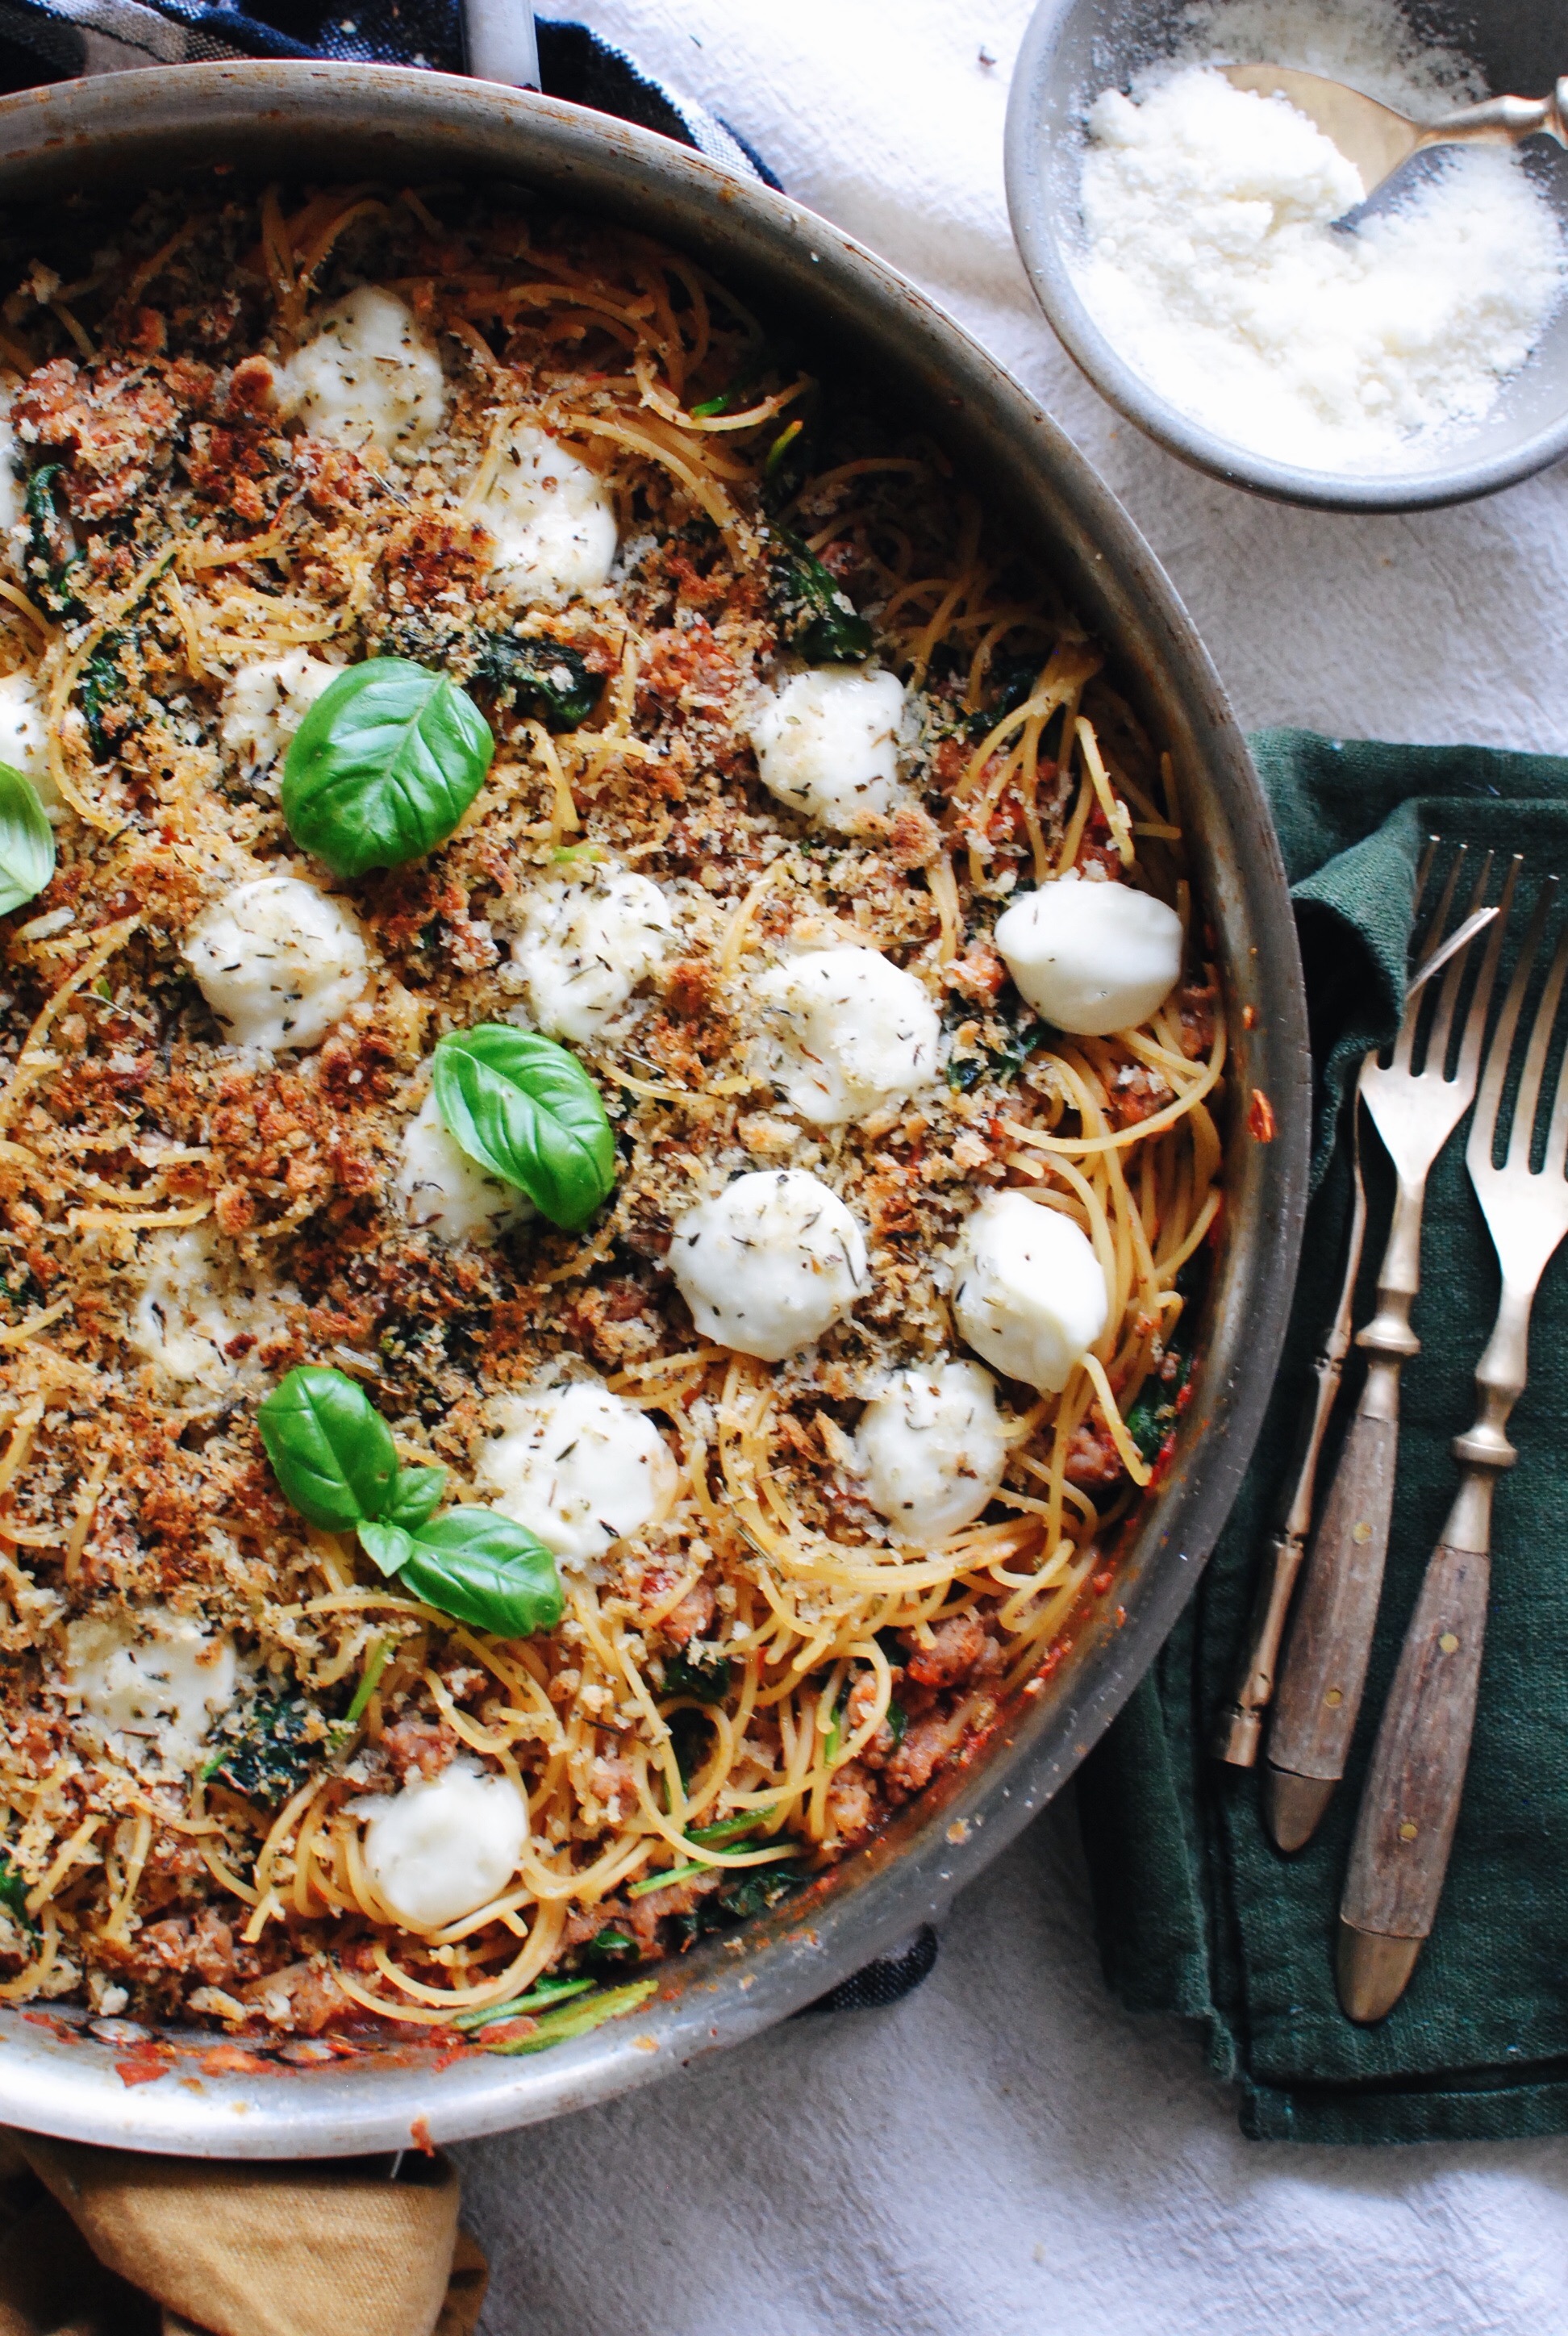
{"x":500,"y":44}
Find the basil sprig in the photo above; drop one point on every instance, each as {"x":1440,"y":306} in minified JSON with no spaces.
{"x":524,"y":1108}
{"x":27,"y":841}
{"x":384,"y":765}
{"x":334,"y":1456}
{"x":476,"y":1565}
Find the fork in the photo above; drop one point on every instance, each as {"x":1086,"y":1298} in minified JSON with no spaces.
{"x":1319,"y":1695}
{"x":1410,"y":1804}
{"x":1241,"y":1725}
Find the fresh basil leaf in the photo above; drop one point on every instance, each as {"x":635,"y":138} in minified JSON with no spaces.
{"x":330,"y":1448}
{"x":383,"y":766}
{"x":524,"y":1108}
{"x":476,"y":1566}
{"x":388,"y":1546}
{"x":542,"y":678}
{"x":817,"y":619}
{"x":27,"y":841}
{"x":416,"y":1496}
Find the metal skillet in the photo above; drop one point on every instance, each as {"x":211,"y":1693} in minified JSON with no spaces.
{"x":136,"y":130}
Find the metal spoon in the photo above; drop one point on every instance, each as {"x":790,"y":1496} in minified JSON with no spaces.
{"x":1378,"y":141}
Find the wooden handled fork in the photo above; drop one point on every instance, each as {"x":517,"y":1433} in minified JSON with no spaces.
{"x":1411,"y":1804}
{"x":1415,"y":1111}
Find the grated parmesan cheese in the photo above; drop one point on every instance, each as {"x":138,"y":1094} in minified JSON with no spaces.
{"x":1210,"y":260}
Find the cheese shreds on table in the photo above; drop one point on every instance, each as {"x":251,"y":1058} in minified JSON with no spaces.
{"x":823,"y":1418}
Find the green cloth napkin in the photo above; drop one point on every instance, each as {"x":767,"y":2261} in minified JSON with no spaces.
{"x":1197,"y":1913}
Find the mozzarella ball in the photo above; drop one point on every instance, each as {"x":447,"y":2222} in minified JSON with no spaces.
{"x":24,"y":739}
{"x":827,"y":745}
{"x":368,"y":374}
{"x":855,"y":1032}
{"x":447,"y":1192}
{"x":584,"y":948}
{"x":552,"y":519}
{"x":770,"y":1263}
{"x":932,"y":1449}
{"x":444,"y":1845}
{"x":264,"y":706}
{"x":1027,"y":1291}
{"x":1091,"y":957}
{"x":194,"y":1304}
{"x":152,"y":1675}
{"x":579,"y":1466}
{"x":278,"y":962}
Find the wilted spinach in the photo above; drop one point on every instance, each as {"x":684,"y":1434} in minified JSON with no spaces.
{"x":102,"y":685}
{"x":51,"y":552}
{"x":1153,"y":1414}
{"x":817,"y":619}
{"x":271,"y":1750}
{"x":740,"y":1901}
{"x":1023,"y":1038}
{"x":706,"y":1678}
{"x":538,"y":676}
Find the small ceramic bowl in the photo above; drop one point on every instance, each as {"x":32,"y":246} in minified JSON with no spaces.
{"x":1076,"y":48}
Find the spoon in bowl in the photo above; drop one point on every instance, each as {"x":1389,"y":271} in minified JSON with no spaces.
{"x":1378,"y":141}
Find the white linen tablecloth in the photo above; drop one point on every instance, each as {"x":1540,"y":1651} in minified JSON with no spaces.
{"x":1007,"y":2149}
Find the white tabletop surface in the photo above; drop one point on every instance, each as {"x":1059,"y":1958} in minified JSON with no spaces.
{"x":1007,"y":2149}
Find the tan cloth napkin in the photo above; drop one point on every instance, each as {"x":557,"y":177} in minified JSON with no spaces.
{"x":109,"y":2243}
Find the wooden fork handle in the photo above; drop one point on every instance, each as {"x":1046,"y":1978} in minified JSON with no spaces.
{"x":1324,"y":1672}
{"x":1411,"y":1804}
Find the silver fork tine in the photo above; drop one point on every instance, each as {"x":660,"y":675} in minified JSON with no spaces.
{"x":1442,"y":1020}
{"x":1521,"y":1134}
{"x":1554,"y":1164}
{"x":1475,"y":1027}
{"x":1482,"y":1136}
{"x":1414,"y":1002}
